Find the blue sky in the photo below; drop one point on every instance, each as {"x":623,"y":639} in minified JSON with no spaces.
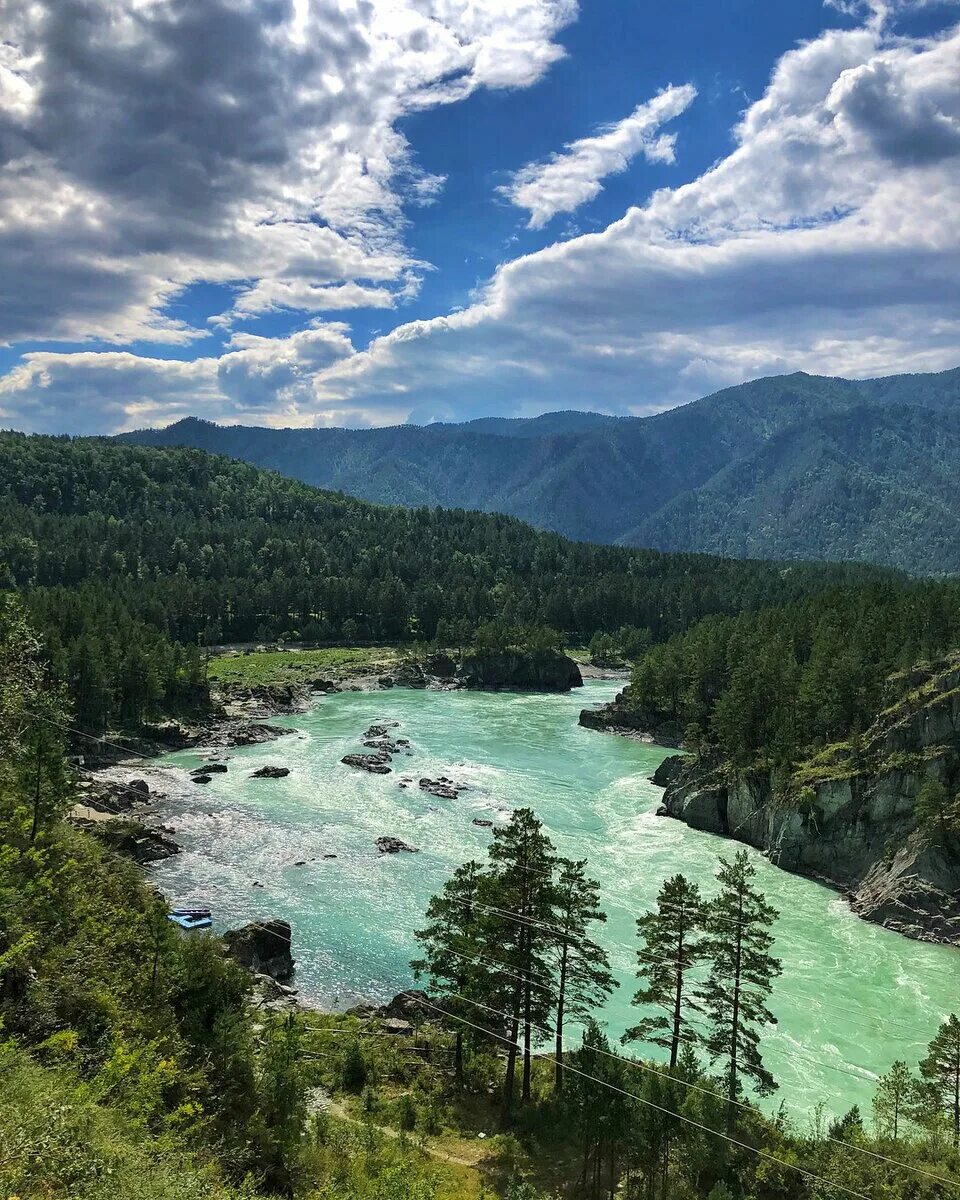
{"x":327,"y":224}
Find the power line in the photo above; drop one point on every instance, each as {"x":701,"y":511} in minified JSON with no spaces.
{"x":667,"y":1112}
{"x":632,"y":1062}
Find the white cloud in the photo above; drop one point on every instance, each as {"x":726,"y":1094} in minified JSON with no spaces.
{"x":148,"y":145}
{"x":570,"y":179}
{"x":828,"y":240}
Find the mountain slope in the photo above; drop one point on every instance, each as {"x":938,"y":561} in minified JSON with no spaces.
{"x":681,"y":479}
{"x":871,"y":484}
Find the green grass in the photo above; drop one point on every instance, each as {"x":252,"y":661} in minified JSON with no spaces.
{"x":299,"y":666}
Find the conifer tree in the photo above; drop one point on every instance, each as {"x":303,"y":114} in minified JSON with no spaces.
{"x":583,"y":978}
{"x":941,"y":1070}
{"x":671,"y":947}
{"x":452,"y":944}
{"x":893,"y":1099}
{"x":734,"y":996}
{"x":520,"y":894}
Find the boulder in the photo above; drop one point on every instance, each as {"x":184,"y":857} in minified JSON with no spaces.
{"x":132,"y":840}
{"x":202,"y":778}
{"x":376,"y":764}
{"x":254,"y":734}
{"x":668,"y":771}
{"x":139,"y":787}
{"x":443,"y":788}
{"x":270,"y":773}
{"x":211,"y":768}
{"x":541,"y":671}
{"x":381,"y":729}
{"x":392,"y":845}
{"x":397,"y":1027}
{"x":482,"y":822}
{"x":409,"y":1006}
{"x":263,"y":947}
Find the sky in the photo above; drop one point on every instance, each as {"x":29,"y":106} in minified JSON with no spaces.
{"x":369,"y":212}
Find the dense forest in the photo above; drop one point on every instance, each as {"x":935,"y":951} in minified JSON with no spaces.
{"x":134,"y":559}
{"x":789,"y":467}
{"x":765,"y":687}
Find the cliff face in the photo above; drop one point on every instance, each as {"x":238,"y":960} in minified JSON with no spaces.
{"x":848,"y":815}
{"x":536,"y":672}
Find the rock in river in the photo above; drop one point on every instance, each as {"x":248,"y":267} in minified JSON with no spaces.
{"x":262,"y":947}
{"x":443,"y":788}
{"x":375,"y":763}
{"x":392,"y":845}
{"x":271,"y":773}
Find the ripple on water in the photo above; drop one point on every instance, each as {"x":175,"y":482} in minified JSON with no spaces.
{"x":852,"y":997}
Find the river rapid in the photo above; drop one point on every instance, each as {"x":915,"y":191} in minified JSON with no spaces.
{"x":852,"y":998}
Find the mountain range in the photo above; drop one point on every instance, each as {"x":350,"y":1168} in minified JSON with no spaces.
{"x":786,"y":467}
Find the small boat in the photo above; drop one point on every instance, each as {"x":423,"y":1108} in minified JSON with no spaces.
{"x":191,"y":918}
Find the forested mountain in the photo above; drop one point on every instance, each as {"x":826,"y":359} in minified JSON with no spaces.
{"x":796,"y":466}
{"x":132,"y":558}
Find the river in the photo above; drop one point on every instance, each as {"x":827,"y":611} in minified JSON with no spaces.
{"x":852,"y":998}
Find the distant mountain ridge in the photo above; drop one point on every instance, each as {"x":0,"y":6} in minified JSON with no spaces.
{"x":791,"y":466}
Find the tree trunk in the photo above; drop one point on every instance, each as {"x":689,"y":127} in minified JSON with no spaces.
{"x":678,"y":997}
{"x":561,"y":997}
{"x":511,"y":1072}
{"x":735,"y":1025}
{"x":458,"y":1059}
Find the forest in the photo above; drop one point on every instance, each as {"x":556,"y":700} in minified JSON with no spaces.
{"x":764,"y":688}
{"x":133,"y":560}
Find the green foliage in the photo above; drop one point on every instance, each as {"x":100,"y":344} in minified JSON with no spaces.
{"x":734,"y":996}
{"x":131,"y":559}
{"x":767,"y":688}
{"x":672,"y":946}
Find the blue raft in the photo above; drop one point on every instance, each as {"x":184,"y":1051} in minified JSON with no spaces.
{"x":191,"y":918}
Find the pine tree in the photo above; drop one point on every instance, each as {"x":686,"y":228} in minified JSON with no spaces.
{"x":934,"y":811}
{"x":452,"y":942}
{"x":893,"y":1100}
{"x":742,"y":970}
{"x":671,"y":939}
{"x":941,"y":1070}
{"x":583,"y":978}
{"x":520,"y":894}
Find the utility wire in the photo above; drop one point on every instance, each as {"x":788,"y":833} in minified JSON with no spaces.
{"x":667,"y":1112}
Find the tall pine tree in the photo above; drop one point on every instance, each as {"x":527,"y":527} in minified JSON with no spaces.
{"x":583,"y":978}
{"x":520,"y":892}
{"x":671,"y":948}
{"x":941,"y":1070}
{"x":452,"y":950}
{"x":742,"y":970}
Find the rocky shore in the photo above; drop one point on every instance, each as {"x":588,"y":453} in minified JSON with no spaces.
{"x":848,"y":816}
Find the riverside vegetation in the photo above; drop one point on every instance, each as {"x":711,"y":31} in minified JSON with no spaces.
{"x":133,"y":1063}
{"x":826,"y":732}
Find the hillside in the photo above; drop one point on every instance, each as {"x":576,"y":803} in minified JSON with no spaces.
{"x":132,"y":558}
{"x":795,"y":466}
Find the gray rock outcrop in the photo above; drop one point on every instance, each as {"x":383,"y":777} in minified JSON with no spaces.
{"x":263,"y":947}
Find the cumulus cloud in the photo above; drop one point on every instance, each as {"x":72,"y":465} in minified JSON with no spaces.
{"x":827,"y":240}
{"x":574,"y":176}
{"x":150,"y":144}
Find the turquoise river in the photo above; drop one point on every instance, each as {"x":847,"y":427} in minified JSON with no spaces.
{"x":852,"y":998}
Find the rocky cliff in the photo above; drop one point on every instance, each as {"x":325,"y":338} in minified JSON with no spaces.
{"x":507,"y":670}
{"x":847,"y":815}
